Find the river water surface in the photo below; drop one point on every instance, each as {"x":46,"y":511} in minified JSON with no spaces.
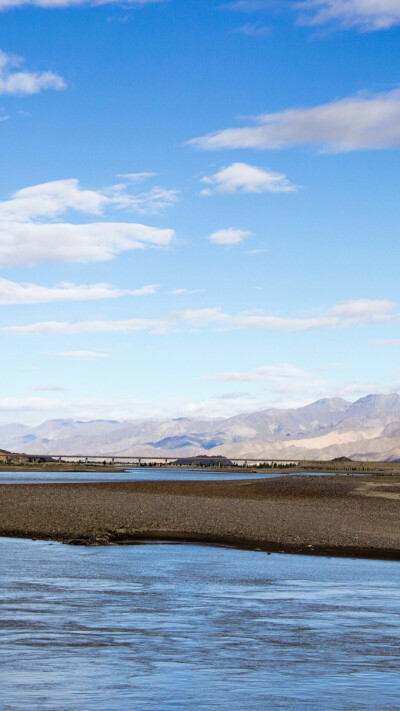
{"x":165,"y":627}
{"x":137,"y":474}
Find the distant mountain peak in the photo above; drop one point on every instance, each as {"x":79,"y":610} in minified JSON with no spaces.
{"x":373,"y":405}
{"x":328,"y":403}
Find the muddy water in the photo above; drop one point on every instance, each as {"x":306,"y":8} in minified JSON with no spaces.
{"x":165,"y":627}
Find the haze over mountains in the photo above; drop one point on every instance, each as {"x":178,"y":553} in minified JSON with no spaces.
{"x":366,"y":429}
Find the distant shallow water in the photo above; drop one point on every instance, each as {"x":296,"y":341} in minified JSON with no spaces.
{"x":138,"y":474}
{"x":165,"y":627}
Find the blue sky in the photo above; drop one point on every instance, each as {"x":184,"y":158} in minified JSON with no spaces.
{"x":199,"y":208}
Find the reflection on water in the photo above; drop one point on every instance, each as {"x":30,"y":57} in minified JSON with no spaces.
{"x":165,"y":627}
{"x":134,"y":474}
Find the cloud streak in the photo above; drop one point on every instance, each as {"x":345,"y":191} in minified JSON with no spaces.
{"x":28,"y":237}
{"x":49,"y":4}
{"x":12,"y":292}
{"x":360,"y":122}
{"x":363,"y":15}
{"x":19,"y":82}
{"x":253,"y":29}
{"x":363,"y":312}
{"x":29,"y":244}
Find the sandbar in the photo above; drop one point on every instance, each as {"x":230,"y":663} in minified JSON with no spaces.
{"x":356,"y":516}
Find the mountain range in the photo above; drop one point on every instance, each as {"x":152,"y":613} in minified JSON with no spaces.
{"x":367,"y":429}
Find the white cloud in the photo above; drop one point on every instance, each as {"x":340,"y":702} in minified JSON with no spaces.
{"x":228,"y":236}
{"x":12,"y":292}
{"x":27,"y":244}
{"x":48,"y":4}
{"x":54,"y":198}
{"x":83,"y":355}
{"x":19,"y":82}
{"x":361,"y":122}
{"x":364,"y":15}
{"x":363,"y":312}
{"x":241,"y":177}
{"x":27,"y":237}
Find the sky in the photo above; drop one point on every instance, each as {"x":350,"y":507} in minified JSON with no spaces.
{"x":199,"y":205}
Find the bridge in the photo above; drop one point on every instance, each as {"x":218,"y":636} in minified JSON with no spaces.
{"x":138,"y":460}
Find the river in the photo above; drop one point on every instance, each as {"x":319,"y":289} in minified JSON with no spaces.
{"x":138,"y":474}
{"x":160,"y":627}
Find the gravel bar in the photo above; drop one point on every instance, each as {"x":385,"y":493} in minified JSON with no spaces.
{"x":322,"y":515}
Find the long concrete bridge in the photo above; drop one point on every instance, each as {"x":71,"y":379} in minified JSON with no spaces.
{"x":139,"y":459}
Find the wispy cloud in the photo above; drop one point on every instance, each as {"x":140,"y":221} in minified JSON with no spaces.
{"x":250,"y":5}
{"x":241,"y":177}
{"x":361,"y":122}
{"x":253,"y":29}
{"x":228,"y":236}
{"x":363,"y":312}
{"x":184,"y":291}
{"x":48,"y":388}
{"x":36,"y":409}
{"x":360,"y":15}
{"x":291,"y":386}
{"x":294,"y":394}
{"x":147,"y":290}
{"x":385,"y":342}
{"x":152,"y":201}
{"x":137,"y":177}
{"x":12,"y":292}
{"x":363,"y":15}
{"x":264,"y":374}
{"x":27,"y":237}
{"x":48,"y":4}
{"x":19,"y":82}
{"x":259,"y":250}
